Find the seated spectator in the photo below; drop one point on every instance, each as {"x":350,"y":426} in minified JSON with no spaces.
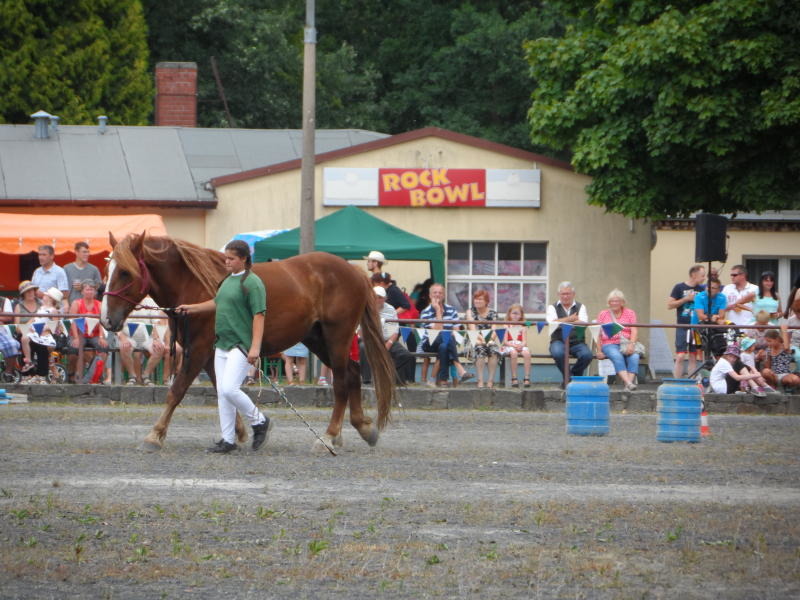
{"x":730,"y":376}
{"x":42,"y":343}
{"x":394,"y":295}
{"x":9,"y":346}
{"x":487,"y":351}
{"x":792,"y":316}
{"x":777,"y":366}
{"x":568,"y":311}
{"x":143,"y":341}
{"x":444,"y":346}
{"x":404,"y":362}
{"x":93,"y":339}
{"x":29,"y":304}
{"x":620,"y":347}
{"x":515,"y":344}
{"x":295,"y":360}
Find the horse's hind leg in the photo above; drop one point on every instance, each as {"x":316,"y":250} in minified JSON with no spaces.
{"x":363,"y":424}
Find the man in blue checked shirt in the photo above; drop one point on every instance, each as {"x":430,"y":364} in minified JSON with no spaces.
{"x":445,"y":343}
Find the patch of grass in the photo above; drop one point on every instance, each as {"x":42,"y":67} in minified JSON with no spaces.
{"x":317,"y":546}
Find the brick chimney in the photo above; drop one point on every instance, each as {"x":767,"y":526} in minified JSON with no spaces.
{"x":176,"y":94}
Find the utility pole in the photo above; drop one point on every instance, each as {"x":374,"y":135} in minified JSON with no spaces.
{"x":309,"y":125}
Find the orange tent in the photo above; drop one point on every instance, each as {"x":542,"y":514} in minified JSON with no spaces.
{"x":22,"y":233}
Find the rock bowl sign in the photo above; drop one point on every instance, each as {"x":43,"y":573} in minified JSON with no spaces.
{"x":432,"y":188}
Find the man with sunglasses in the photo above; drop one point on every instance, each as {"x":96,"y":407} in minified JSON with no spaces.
{"x":739,"y":296}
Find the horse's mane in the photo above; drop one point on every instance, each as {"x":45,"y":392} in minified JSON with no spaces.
{"x":207,"y":266}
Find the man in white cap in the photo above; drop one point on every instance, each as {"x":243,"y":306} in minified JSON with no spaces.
{"x":375,"y":261}
{"x":404,"y":362}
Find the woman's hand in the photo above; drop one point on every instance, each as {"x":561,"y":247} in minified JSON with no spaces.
{"x":600,"y":355}
{"x":253,"y":356}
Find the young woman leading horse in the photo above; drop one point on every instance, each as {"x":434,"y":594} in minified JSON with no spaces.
{"x":315,"y":298}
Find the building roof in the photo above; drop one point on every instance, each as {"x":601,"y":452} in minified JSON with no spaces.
{"x":143,"y":166}
{"x":388,"y":141}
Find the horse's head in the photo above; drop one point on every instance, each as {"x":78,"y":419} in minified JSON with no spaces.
{"x":127,"y":280}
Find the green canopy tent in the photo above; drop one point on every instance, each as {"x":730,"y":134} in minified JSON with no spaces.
{"x":351,"y":233}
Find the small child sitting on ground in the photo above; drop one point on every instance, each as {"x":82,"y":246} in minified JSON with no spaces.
{"x":730,"y":375}
{"x":778,"y":359}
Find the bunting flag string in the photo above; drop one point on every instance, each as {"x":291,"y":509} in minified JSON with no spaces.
{"x":501,"y":334}
{"x":52,"y":325}
{"x":566,"y":329}
{"x":39,"y":328}
{"x":486,"y":334}
{"x":611,"y":329}
{"x":472,"y":336}
{"x":80,"y":323}
{"x":149,"y":328}
{"x":23,"y":328}
{"x":421,"y":334}
{"x":432,"y":335}
{"x":91,"y":323}
{"x":404,"y":332}
{"x":540,"y":325}
{"x":459,"y":338}
{"x":595,"y":331}
{"x":132,"y":327}
{"x":161,"y":331}
{"x":66,"y":324}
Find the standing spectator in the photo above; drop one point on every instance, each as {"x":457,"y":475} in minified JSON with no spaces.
{"x":375,"y":261}
{"x":81,"y":270}
{"x":141,"y":340}
{"x":487,"y":351}
{"x":394,"y":295}
{"x":446,"y":349}
{"x":295,"y":360}
{"x":739,"y":294}
{"x":567,"y":310}
{"x":682,"y":300}
{"x":93,"y":339}
{"x":767,"y":299}
{"x":49,"y":274}
{"x":778,"y":359}
{"x":515,"y":344}
{"x":622,"y":355}
{"x":405,"y":363}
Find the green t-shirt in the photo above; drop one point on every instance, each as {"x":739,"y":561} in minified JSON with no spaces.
{"x":235,"y":311}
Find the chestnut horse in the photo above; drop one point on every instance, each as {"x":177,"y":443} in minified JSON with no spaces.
{"x":316,"y":298}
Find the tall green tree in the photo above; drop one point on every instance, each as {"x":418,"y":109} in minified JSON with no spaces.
{"x":76,"y":59}
{"x":675,"y":106}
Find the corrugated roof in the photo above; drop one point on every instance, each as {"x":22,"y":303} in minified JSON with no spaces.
{"x":146,"y":166}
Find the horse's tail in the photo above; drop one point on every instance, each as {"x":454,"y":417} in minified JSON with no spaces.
{"x":383,"y":372}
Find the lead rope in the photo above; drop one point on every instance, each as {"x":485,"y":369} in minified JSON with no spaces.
{"x":261,"y":377}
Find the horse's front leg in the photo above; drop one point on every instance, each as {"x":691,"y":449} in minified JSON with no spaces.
{"x":154,"y":440}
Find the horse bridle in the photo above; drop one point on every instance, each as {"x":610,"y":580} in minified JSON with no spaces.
{"x":146,"y":279}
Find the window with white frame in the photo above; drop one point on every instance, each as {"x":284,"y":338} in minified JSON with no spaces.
{"x":512,"y":273}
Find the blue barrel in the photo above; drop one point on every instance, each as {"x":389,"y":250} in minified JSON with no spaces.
{"x":587,"y":406}
{"x":679,"y":406}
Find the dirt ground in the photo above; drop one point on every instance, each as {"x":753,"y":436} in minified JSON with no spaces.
{"x":450,"y":504}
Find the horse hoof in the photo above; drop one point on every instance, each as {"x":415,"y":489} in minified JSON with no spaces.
{"x":371,"y":435}
{"x":338,"y":441}
{"x":320,"y":446}
{"x":150,"y":447}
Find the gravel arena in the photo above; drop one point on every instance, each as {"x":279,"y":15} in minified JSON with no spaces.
{"x":453,"y":503}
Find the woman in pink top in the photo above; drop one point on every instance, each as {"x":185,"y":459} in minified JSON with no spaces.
{"x":626,"y":363}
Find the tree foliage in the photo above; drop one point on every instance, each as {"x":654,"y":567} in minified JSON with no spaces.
{"x":74,"y":58}
{"x":675,"y":106}
{"x":387,"y":66}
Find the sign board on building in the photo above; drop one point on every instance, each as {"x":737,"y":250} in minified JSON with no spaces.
{"x":422,"y":188}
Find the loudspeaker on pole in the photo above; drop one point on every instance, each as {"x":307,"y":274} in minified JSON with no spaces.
{"x":710,"y":238}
